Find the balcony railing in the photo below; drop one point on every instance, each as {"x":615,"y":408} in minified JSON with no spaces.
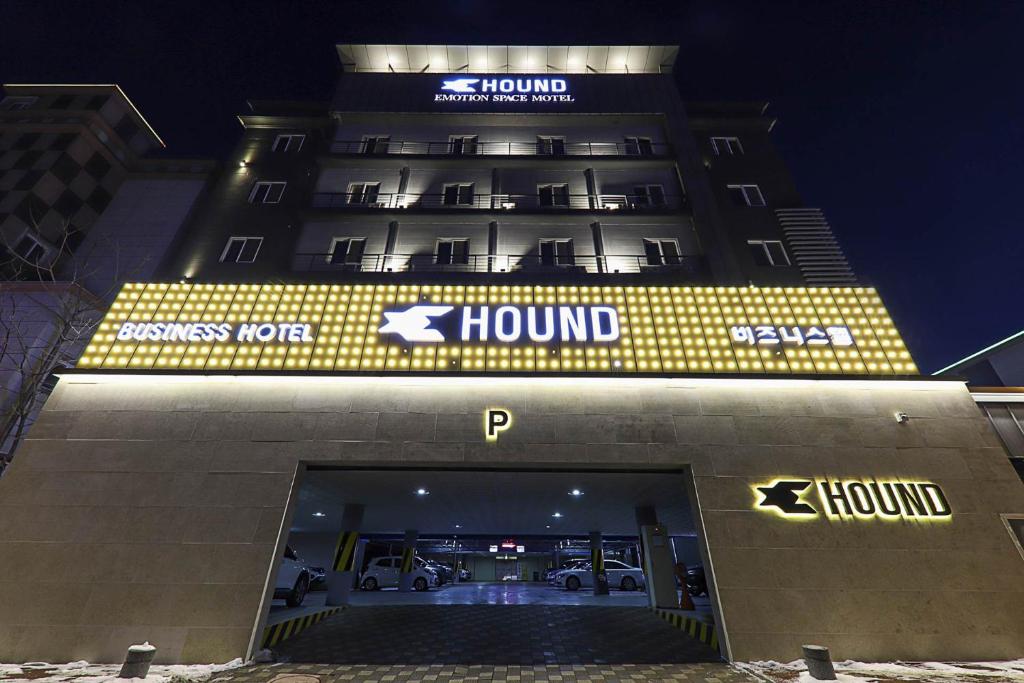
{"x":471,"y":149}
{"x":686,"y":265}
{"x":497,"y":202}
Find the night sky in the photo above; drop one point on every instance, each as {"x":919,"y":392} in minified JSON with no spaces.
{"x":902,"y":120}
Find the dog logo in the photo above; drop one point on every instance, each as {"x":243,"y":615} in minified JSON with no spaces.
{"x":413,"y":324}
{"x":785,"y":495}
{"x":461,"y":85}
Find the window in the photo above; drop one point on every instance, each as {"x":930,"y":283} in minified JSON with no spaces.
{"x":376,"y":144}
{"x":458,"y":194}
{"x":549,"y":145}
{"x":462,"y":144}
{"x":768,"y":252}
{"x":14,"y":103}
{"x":746,"y":195}
{"x":553,"y":195}
{"x":25,"y":140}
{"x":726,"y":147}
{"x":63,"y":140}
{"x":65,"y":169}
{"x":68,"y":204}
{"x":126,"y":128}
{"x":1015,"y":525}
{"x":62,"y":102}
{"x":241,"y":249}
{"x":30,"y":248}
{"x":97,"y":166}
{"x":642,"y":146}
{"x":347,"y":250}
{"x":267,"y":192}
{"x":649,"y":195}
{"x":662,"y":252}
{"x":363,"y":193}
{"x":557,"y":253}
{"x":98,"y":200}
{"x":291,"y":142}
{"x":452,"y":252}
{"x":96,"y":101}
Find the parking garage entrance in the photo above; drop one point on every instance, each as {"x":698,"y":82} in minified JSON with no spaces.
{"x":516,"y":567}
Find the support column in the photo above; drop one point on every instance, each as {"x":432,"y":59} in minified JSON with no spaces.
{"x":592,"y":194}
{"x":658,"y":569}
{"x":342,"y":572}
{"x":598,"y":233}
{"x":645,"y":515}
{"x":403,"y":187}
{"x":389,"y":245}
{"x":492,"y":247}
{"x":597,"y":563}
{"x":408,"y":553}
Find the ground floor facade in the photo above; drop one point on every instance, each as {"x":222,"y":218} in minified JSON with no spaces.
{"x":866,"y":515}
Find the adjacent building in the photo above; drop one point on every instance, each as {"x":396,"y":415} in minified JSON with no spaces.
{"x":530,"y":262}
{"x":84,"y":206}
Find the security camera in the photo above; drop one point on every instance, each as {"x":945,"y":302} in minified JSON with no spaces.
{"x":901,"y":417}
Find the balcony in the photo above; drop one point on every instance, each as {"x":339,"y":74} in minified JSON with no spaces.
{"x":362,"y":201}
{"x":461,"y":148}
{"x":685,"y":267}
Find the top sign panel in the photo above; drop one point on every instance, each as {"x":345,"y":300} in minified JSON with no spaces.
{"x":501,"y":90}
{"x":498,"y":329}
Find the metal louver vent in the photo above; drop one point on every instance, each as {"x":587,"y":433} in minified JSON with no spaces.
{"x":814,"y":247}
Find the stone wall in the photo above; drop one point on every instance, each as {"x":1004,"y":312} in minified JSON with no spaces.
{"x":147,"y":507}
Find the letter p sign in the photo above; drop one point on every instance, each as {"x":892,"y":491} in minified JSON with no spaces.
{"x":496,"y":420}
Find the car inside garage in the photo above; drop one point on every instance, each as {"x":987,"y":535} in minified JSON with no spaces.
{"x":490,"y":566}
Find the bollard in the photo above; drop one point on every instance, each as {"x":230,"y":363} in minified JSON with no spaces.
{"x":137,"y":661}
{"x":819,"y":663}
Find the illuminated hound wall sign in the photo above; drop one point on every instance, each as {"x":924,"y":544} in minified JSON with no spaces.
{"x":506,"y":324}
{"x":498,"y":328}
{"x":854,"y":499}
{"x":511,"y":89}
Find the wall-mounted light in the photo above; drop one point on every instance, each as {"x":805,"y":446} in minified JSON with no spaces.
{"x":576,"y":493}
{"x":319,"y":514}
{"x":557,"y":515}
{"x":242,"y":163}
{"x":422,"y":492}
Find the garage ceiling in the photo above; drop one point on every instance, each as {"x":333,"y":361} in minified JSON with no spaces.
{"x":502,"y":503}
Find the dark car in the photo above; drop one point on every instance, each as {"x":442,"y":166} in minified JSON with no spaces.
{"x":696,"y":584}
{"x":317,"y":578}
{"x":443,"y":571}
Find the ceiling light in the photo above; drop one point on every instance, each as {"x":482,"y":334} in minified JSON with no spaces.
{"x":458,"y":526}
{"x":319,"y":514}
{"x":547,"y":526}
{"x":557,"y":515}
{"x":422,"y":492}
{"x":576,"y":492}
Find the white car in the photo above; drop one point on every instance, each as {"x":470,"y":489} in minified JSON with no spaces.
{"x":620,"y":575}
{"x":384,"y":572}
{"x":292,"y":579}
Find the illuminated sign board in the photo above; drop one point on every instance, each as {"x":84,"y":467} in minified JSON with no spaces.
{"x":501,"y":89}
{"x":498,"y":329}
{"x":854,"y":499}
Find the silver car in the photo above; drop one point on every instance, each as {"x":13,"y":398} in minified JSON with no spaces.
{"x":620,"y":575}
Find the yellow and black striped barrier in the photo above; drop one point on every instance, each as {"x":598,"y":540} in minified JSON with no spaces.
{"x":275,"y":634}
{"x":407,"y":555}
{"x":695,"y":628}
{"x":345,"y":551}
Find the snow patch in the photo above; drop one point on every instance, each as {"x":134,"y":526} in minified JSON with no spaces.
{"x":84,"y":672}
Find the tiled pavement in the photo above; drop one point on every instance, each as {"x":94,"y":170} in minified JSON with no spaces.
{"x":523,"y":635}
{"x":452,"y":673}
